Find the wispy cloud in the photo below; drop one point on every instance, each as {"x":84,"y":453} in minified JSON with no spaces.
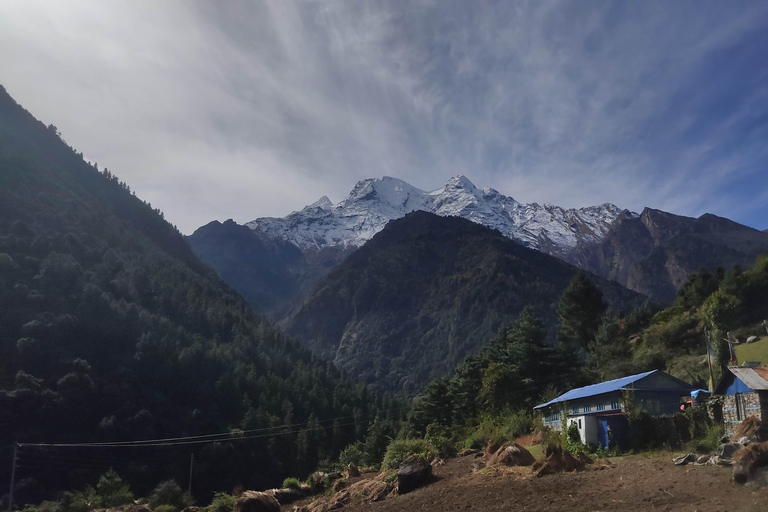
{"x":245,"y":109}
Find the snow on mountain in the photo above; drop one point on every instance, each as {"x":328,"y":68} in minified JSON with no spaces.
{"x":374,"y":202}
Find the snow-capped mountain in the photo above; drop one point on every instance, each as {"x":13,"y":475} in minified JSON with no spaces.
{"x":372,"y":203}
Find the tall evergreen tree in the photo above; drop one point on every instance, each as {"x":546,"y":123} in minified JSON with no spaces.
{"x":581,"y":307}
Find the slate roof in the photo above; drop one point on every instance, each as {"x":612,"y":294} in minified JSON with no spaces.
{"x":598,"y":389}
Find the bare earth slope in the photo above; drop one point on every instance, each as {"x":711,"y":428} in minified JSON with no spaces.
{"x":640,"y":484}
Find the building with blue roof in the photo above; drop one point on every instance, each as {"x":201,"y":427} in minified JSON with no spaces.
{"x":745,"y":391}
{"x":599,"y":411}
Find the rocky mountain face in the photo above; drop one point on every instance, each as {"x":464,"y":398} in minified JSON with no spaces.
{"x":424,"y":293}
{"x":284,"y":257}
{"x":652,"y":253}
{"x":655,"y":252}
{"x":374,"y":202}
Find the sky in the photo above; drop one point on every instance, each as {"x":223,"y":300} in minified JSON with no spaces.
{"x":217,"y":110}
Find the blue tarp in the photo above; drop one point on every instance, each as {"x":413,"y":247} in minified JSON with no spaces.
{"x":703,"y":392}
{"x":597,"y":389}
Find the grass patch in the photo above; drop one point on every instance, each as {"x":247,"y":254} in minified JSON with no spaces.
{"x":537,"y":450}
{"x":757,"y":351}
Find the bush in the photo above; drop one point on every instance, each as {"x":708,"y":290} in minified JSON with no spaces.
{"x":440,"y":437}
{"x":400,"y":449}
{"x":222,"y":502}
{"x":113,"y":491}
{"x":169,"y":493}
{"x":292,"y":483}
{"x":352,"y":454}
{"x":711,"y":440}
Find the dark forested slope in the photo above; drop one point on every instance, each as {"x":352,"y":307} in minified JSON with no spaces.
{"x":111,"y":329}
{"x":424,"y":293}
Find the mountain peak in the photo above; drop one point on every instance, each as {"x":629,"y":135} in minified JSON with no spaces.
{"x":323,"y":203}
{"x":374,"y":202}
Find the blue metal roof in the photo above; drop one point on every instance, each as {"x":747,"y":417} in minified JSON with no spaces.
{"x":598,"y":389}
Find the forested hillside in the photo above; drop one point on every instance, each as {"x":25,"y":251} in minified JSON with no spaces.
{"x":112,"y":330}
{"x":426,"y":292}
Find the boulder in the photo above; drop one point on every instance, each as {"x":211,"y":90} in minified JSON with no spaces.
{"x":511,"y":454}
{"x":726,"y":450}
{"x":413,"y":472}
{"x":352,"y":471}
{"x":702,"y":459}
{"x":468,"y":451}
{"x":748,"y":459}
{"x":285,"y":495}
{"x":254,"y":501}
{"x":752,"y":339}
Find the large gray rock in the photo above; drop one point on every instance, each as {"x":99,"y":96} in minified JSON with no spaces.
{"x":414,"y":472}
{"x":726,"y":450}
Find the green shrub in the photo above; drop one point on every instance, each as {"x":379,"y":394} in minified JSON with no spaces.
{"x":400,"y":449}
{"x":222,"y":502}
{"x":711,"y":440}
{"x":440,"y":437}
{"x":169,"y":493}
{"x":113,"y":491}
{"x":292,"y":483}
{"x":352,"y":454}
{"x":519,"y":423}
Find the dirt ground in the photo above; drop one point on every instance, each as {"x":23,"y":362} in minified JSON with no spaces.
{"x":634,"y":483}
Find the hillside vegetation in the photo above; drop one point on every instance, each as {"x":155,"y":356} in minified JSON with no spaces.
{"x":112,"y":330}
{"x":426,"y":292}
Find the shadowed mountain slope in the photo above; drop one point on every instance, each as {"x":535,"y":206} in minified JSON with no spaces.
{"x":656,"y":252}
{"x":426,"y":292}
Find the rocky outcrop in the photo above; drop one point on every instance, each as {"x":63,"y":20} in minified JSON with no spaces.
{"x":413,"y":472}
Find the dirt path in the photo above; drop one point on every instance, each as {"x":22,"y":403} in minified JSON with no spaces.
{"x":652,"y":483}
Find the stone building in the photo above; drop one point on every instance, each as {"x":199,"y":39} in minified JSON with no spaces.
{"x":745,"y":391}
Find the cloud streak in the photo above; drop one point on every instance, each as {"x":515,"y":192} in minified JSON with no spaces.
{"x":246,"y":109}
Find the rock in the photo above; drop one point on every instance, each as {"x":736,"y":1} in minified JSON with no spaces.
{"x":414,"y":472}
{"x":684,"y":459}
{"x":743,"y":441}
{"x":511,"y":454}
{"x":254,"y":501}
{"x":702,"y":459}
{"x":477,"y":466}
{"x":748,"y":459}
{"x":726,"y":450}
{"x":752,"y":339}
{"x":352,"y":471}
{"x":285,"y":495}
{"x":468,"y":451}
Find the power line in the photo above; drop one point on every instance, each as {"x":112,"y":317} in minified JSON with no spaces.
{"x":180,"y":441}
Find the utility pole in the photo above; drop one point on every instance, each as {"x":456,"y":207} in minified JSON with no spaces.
{"x":191,"y":465}
{"x":13,"y":476}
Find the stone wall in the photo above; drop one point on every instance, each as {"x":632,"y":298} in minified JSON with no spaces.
{"x":738,"y":407}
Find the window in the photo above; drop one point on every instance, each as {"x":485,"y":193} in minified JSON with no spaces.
{"x":615,"y":405}
{"x":579,"y":424}
{"x":556,"y":416}
{"x":600,"y":407}
{"x":575,"y":409}
{"x":587,"y":408}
